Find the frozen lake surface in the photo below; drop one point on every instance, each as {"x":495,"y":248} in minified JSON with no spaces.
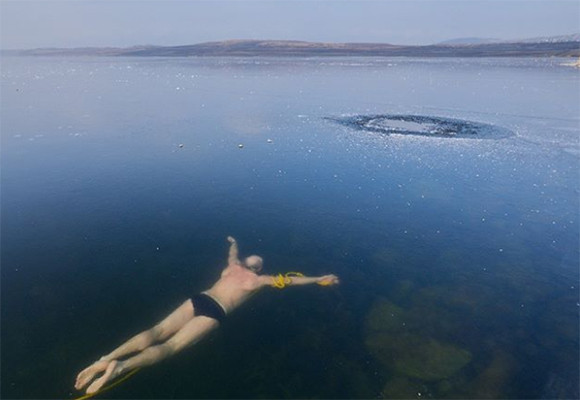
{"x":443,"y":192}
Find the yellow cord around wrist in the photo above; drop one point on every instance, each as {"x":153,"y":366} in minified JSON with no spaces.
{"x":281,"y":281}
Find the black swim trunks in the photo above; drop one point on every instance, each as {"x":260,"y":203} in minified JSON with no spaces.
{"x":204,"y":304}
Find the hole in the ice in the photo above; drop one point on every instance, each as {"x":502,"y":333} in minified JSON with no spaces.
{"x":422,"y":125}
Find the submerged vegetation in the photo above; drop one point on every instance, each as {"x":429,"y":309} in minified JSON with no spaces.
{"x":406,"y":350}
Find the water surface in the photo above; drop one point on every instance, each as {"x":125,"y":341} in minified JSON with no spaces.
{"x":121,"y":179}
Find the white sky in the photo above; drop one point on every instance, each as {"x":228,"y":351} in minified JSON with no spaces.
{"x":74,"y":23}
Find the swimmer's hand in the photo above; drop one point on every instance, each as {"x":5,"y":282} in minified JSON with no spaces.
{"x":231,"y":239}
{"x":328,"y":280}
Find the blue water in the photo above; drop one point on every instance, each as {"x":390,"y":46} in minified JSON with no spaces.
{"x":121,"y":179}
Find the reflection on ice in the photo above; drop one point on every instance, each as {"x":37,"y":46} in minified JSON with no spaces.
{"x":423,"y":126}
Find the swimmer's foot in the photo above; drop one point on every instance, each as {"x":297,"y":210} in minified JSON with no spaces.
{"x":89,"y":373}
{"x":113,"y":370}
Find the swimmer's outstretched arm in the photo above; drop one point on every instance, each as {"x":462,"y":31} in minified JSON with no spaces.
{"x":324,"y":280}
{"x":233,"y":257}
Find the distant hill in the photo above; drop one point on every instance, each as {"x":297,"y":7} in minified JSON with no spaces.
{"x":553,"y":39}
{"x":545,"y":39}
{"x":288,"y":48}
{"x":470,"y":40}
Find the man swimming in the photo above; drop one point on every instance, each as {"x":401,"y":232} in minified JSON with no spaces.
{"x":191,"y":321}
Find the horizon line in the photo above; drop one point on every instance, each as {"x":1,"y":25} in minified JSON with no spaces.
{"x":474,"y":38}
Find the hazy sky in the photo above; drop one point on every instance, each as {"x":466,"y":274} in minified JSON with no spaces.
{"x":72,"y":23}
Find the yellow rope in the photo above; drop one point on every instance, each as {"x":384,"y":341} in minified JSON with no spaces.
{"x":281,"y":281}
{"x":112,"y":385}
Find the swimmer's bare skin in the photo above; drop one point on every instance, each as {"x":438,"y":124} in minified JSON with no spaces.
{"x":182,"y":328}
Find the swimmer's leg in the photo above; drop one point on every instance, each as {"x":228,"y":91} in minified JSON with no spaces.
{"x":160,"y":332}
{"x":87,"y":374}
{"x":111,"y":372}
{"x":191,"y":333}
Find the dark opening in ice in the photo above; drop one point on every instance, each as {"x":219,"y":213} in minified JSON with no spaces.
{"x":421,"y":125}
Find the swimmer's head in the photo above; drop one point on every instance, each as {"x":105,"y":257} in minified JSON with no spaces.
{"x":254,"y":263}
